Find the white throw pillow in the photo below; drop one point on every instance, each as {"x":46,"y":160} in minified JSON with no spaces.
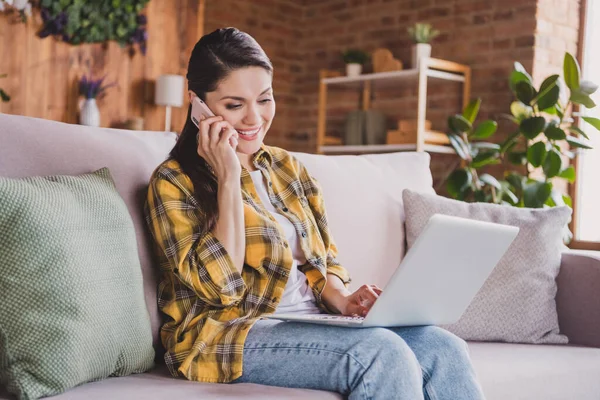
{"x":363,"y":199}
{"x":517,"y":301}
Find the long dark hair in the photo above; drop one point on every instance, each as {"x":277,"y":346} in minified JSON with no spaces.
{"x":214,"y":57}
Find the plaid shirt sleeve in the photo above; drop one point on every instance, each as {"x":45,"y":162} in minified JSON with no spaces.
{"x":314,"y":195}
{"x":197,"y":258}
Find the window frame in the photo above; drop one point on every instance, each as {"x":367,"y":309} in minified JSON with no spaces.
{"x":572,"y":187}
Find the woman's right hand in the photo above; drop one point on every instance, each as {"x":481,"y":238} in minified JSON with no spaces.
{"x":217,"y":141}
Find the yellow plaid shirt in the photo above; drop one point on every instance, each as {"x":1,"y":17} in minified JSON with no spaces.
{"x":209,"y":306}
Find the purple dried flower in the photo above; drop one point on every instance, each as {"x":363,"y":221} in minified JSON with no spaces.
{"x":141,"y":19}
{"x":91,"y":88}
{"x":62,"y":18}
{"x":45,"y":32}
{"x":45,"y":14}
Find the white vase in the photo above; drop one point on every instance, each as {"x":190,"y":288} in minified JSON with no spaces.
{"x":353,"y":69}
{"x":89,"y":114}
{"x":419,"y":51}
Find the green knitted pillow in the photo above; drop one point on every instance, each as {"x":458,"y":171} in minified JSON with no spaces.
{"x":72,"y":304}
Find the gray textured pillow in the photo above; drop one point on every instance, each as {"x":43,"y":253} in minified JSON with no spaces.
{"x":516,"y":303}
{"x":72,"y":302}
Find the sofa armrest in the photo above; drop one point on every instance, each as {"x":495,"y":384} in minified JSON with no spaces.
{"x":578,"y":297}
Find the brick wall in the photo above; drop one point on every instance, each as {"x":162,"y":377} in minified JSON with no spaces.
{"x":487,"y":35}
{"x":557,"y":31}
{"x":301,"y":37}
{"x":277,"y":25}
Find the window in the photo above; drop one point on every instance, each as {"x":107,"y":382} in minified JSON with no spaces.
{"x":587,"y":207}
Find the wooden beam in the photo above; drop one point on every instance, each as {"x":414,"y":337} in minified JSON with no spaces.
{"x":572,"y":187}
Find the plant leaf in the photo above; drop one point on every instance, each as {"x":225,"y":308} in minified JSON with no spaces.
{"x":587,"y":87}
{"x":459,"y":124}
{"x":520,"y":68}
{"x":576,"y":142}
{"x":520,"y":111}
{"x":485,"y":158}
{"x":548,"y":83}
{"x":510,"y":142}
{"x":571,"y":72}
{"x":536,"y":154}
{"x":595,"y":122}
{"x":471,"y":110}
{"x":459,"y":146}
{"x":457,"y":181}
{"x":552,"y":164}
{"x":486,"y":146}
{"x":536,"y":193}
{"x":549,"y":97}
{"x":567,"y":199}
{"x":515,"y":180}
{"x":490,"y":180}
{"x":485,"y":129}
{"x":555,"y":133}
{"x":568,"y":174}
{"x":576,"y":130}
{"x":516,"y":77}
{"x":4,"y":96}
{"x":513,"y":199}
{"x":582,"y":98}
{"x":524,"y":91}
{"x":531,"y":127}
{"x":518,"y":158}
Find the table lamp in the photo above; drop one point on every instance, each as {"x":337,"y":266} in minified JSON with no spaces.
{"x":169,"y":93}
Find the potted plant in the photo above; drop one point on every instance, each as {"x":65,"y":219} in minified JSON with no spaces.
{"x":354,"y":60}
{"x":3,"y":95}
{"x":421,"y":34}
{"x":544,"y":138}
{"x":91,"y":89}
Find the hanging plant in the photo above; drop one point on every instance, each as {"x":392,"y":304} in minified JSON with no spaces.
{"x":78,"y":21}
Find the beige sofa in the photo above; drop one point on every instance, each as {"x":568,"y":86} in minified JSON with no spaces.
{"x":368,"y":188}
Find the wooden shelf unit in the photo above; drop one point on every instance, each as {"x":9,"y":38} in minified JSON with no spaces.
{"x":428,"y":68}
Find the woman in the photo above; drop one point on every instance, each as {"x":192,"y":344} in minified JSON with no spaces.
{"x":241,"y":231}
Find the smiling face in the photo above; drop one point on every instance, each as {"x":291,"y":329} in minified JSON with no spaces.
{"x":245,"y":100}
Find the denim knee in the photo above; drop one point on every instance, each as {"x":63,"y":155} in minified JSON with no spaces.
{"x":444,"y":344}
{"x":392,"y":355}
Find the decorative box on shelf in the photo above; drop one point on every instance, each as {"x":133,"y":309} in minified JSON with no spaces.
{"x":407,"y":133}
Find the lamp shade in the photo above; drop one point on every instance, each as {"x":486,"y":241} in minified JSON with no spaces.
{"x":169,"y":90}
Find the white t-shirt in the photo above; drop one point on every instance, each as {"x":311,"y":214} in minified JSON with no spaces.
{"x":297,"y":296}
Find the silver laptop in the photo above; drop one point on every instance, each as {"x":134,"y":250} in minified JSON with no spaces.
{"x":437,"y":279}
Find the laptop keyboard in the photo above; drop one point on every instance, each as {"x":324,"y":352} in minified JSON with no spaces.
{"x":327,"y":317}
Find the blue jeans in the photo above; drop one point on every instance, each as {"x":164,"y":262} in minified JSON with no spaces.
{"x":361,"y":363}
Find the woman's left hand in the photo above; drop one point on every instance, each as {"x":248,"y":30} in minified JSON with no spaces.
{"x":360,"y":302}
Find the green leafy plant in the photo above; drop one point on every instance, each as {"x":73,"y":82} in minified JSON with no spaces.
{"x":355,"y":56}
{"x":79,"y":21}
{"x":3,"y":95}
{"x":422,"y":33}
{"x":545,"y":135}
{"x":467,"y":183}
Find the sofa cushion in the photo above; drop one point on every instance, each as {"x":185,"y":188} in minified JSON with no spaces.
{"x":72,"y":297}
{"x":516,"y":302}
{"x":524,"y":372}
{"x":363,"y":198}
{"x":38,"y":147}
